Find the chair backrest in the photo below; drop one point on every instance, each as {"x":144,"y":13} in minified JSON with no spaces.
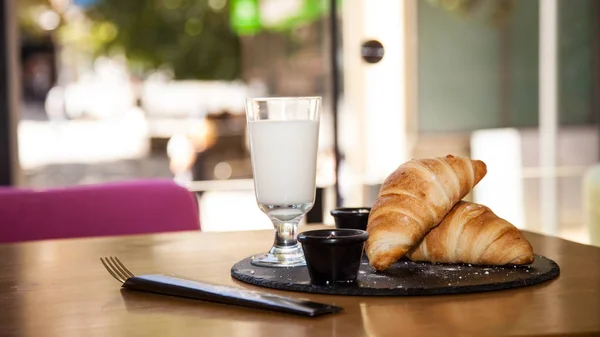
{"x":133,"y":207}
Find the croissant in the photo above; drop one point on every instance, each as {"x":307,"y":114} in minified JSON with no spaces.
{"x":414,"y":199}
{"x":472,"y":233}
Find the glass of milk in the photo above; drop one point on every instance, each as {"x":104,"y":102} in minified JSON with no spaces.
{"x":283,"y":134}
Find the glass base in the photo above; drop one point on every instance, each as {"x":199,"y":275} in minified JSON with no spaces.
{"x":283,"y":257}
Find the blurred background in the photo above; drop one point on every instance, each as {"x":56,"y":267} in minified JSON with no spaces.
{"x":115,"y":90}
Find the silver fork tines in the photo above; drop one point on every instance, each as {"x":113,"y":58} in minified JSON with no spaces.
{"x":116,"y":268}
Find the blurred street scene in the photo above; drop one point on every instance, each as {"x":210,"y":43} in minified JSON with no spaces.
{"x":117,"y":90}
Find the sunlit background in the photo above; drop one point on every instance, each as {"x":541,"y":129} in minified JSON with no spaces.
{"x":116,"y":90}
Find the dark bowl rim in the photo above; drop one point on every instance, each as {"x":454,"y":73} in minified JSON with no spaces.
{"x":359,"y":236}
{"x":350,"y":211}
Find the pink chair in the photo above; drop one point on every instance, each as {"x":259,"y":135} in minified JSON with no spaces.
{"x":135,"y":207}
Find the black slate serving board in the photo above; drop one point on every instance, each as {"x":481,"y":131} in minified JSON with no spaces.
{"x":405,"y":278}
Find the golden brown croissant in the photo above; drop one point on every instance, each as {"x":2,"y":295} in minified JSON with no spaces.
{"x":414,"y":199}
{"x":472,"y":233}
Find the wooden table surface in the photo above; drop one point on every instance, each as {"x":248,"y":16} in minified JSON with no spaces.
{"x":59,"y":288}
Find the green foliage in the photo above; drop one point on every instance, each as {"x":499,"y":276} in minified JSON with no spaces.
{"x":26,"y":14}
{"x":191,"y":37}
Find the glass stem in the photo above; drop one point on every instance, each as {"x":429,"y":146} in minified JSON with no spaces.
{"x":285,"y":233}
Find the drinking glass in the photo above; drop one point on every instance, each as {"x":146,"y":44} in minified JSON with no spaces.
{"x":284,"y":134}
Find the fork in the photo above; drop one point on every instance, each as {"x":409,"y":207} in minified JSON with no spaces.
{"x":183,"y":287}
{"x":116,"y":268}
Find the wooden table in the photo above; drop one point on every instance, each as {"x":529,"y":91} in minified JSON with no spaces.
{"x":59,"y":288}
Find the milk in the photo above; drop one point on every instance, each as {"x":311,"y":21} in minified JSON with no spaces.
{"x":284,"y":158}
